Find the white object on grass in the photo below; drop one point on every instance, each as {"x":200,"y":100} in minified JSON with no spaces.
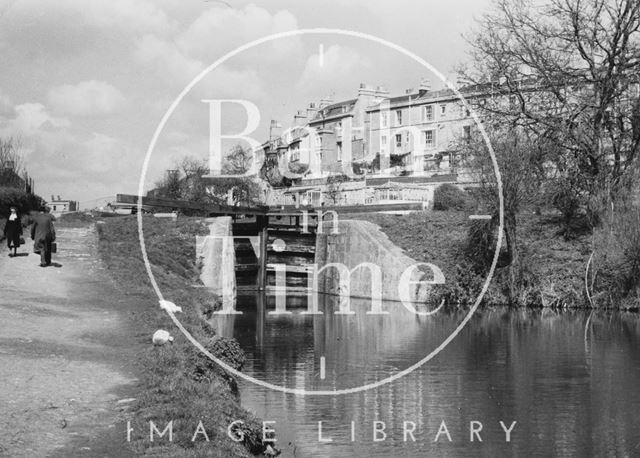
{"x":161,"y":337}
{"x":170,"y":306}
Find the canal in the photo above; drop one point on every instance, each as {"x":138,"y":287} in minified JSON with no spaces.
{"x":570,"y":383}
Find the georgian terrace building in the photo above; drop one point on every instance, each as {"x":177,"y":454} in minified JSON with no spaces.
{"x":391,"y":148}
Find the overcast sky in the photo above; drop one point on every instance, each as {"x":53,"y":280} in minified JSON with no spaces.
{"x":84,"y":84}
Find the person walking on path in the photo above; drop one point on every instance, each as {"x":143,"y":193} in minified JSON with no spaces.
{"x":13,"y":231}
{"x":43,"y":235}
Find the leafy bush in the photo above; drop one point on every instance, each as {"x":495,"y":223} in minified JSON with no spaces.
{"x":480,"y":243}
{"x":450,"y":197}
{"x":228,"y":350}
{"x":515,"y":284}
{"x":21,"y":200}
{"x":461,"y":288}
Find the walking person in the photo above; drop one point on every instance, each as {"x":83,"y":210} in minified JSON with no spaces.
{"x":13,"y":231}
{"x":43,"y":235}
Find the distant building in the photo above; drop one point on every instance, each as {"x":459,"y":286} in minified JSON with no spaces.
{"x":373,"y":138}
{"x":59,"y":206}
{"x":417,"y":133}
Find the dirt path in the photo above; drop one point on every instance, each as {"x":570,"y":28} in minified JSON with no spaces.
{"x":66,"y":348}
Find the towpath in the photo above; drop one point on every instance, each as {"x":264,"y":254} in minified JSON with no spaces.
{"x":66,"y":353}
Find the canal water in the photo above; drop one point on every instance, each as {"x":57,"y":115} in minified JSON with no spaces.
{"x":571,"y":383}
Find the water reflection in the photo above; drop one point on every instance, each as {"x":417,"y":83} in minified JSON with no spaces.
{"x":570,"y":396}
{"x":358,"y":349}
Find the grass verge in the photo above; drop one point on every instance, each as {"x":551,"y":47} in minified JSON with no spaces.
{"x":177,"y":383}
{"x":554,"y":267}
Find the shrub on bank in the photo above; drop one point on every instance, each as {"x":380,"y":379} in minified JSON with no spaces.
{"x":450,"y":197}
{"x":25,"y":203}
{"x":614,"y":277}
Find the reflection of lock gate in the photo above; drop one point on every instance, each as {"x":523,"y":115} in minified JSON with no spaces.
{"x":281,"y":260}
{"x":314,"y":272}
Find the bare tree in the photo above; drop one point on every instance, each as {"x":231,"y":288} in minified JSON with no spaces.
{"x":169,"y":186}
{"x":193,"y":186}
{"x":189,"y":180}
{"x":237,"y":161}
{"x":567,"y":71}
{"x":518,"y":158}
{"x":11,"y":161}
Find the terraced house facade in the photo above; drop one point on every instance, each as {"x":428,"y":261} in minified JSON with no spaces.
{"x":378,"y":145}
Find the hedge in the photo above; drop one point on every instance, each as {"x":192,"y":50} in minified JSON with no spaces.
{"x":12,"y":197}
{"x":450,"y":197}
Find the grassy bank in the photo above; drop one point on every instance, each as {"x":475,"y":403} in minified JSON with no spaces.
{"x":177,"y":383}
{"x":553,"y":266}
{"x":74,"y":219}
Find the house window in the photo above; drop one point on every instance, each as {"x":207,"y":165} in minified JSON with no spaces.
{"x":398,"y":117}
{"x":398,"y":140}
{"x":384,"y":119}
{"x":339,"y":145}
{"x":430,"y":138}
{"x":428,"y":113}
{"x":383,"y":140}
{"x":314,"y":197}
{"x":466,"y":133}
{"x":443,"y":110}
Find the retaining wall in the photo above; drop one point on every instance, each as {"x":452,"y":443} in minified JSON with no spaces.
{"x":362,"y":242}
{"x":216,"y":258}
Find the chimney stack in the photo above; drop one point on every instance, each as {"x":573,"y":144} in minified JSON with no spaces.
{"x":371,"y":94}
{"x":325,"y":102}
{"x":425,"y":86}
{"x":366,"y":90}
{"x":312,"y":110}
{"x":300,"y":118}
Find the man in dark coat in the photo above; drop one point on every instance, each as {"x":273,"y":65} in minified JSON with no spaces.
{"x":43,"y":235}
{"x":13,"y":231}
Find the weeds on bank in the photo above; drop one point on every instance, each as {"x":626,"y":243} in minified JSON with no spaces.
{"x":614,"y":274}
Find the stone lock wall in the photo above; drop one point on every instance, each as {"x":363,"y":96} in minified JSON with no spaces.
{"x":357,"y":242}
{"x":216,"y":258}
